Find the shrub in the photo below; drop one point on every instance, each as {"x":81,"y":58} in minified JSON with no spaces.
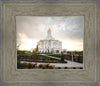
{"x":22,"y":65}
{"x":66,"y":67}
{"x":47,"y":65}
{"x":51,"y":67}
{"x":40,"y":65}
{"x":74,"y":67}
{"x":25,"y":65}
{"x":81,"y":67}
{"x":59,"y":67}
{"x":30,"y":65}
{"x":44,"y":67}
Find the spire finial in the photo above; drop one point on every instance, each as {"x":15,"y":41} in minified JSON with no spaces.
{"x":49,"y":29}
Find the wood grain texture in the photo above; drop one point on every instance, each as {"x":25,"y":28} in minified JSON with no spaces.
{"x":12,"y":75}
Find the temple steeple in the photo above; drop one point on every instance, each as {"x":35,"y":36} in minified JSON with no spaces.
{"x":49,"y":33}
{"x":49,"y":36}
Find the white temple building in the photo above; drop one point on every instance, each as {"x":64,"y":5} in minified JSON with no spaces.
{"x":50,"y":45}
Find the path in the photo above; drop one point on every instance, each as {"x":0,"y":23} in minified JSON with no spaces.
{"x":68,"y":64}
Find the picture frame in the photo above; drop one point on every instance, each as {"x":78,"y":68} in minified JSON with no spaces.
{"x":87,"y":76}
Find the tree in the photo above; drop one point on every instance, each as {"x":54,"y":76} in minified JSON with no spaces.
{"x":18,"y":45}
{"x":62,"y":57}
{"x":36,"y":50}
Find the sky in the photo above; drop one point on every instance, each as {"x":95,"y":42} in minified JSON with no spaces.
{"x":68,"y":29}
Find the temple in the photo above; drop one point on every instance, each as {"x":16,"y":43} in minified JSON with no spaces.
{"x":50,"y":45}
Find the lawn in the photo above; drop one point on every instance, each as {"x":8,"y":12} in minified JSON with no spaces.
{"x":55,"y":55}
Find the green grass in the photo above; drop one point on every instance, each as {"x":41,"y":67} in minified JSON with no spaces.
{"x":24,"y":54}
{"x":28,"y":54}
{"x":55,"y":55}
{"x":43,"y":56}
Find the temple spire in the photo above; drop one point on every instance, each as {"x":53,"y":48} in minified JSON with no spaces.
{"x":49,"y":36}
{"x":49,"y":32}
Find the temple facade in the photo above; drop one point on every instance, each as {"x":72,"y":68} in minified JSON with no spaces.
{"x":50,"y":45}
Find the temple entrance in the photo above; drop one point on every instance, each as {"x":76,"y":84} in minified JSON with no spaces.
{"x":57,"y":51}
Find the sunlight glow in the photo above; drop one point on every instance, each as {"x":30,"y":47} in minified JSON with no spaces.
{"x":27,"y":44}
{"x":72,"y":45}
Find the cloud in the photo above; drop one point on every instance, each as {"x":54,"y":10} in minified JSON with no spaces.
{"x":63,"y":28}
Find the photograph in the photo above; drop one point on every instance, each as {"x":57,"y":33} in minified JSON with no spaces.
{"x":50,"y":42}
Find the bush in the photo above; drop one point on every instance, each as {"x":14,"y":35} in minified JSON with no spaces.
{"x":44,"y":67}
{"x":30,"y":66}
{"x":59,"y":67}
{"x":22,"y":65}
{"x":51,"y":67}
{"x":81,"y":67}
{"x":40,"y":66}
{"x":66,"y":67}
{"x":47,"y":65}
{"x":74,"y":67}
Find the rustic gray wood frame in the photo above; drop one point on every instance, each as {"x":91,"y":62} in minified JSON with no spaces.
{"x":12,"y":75}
